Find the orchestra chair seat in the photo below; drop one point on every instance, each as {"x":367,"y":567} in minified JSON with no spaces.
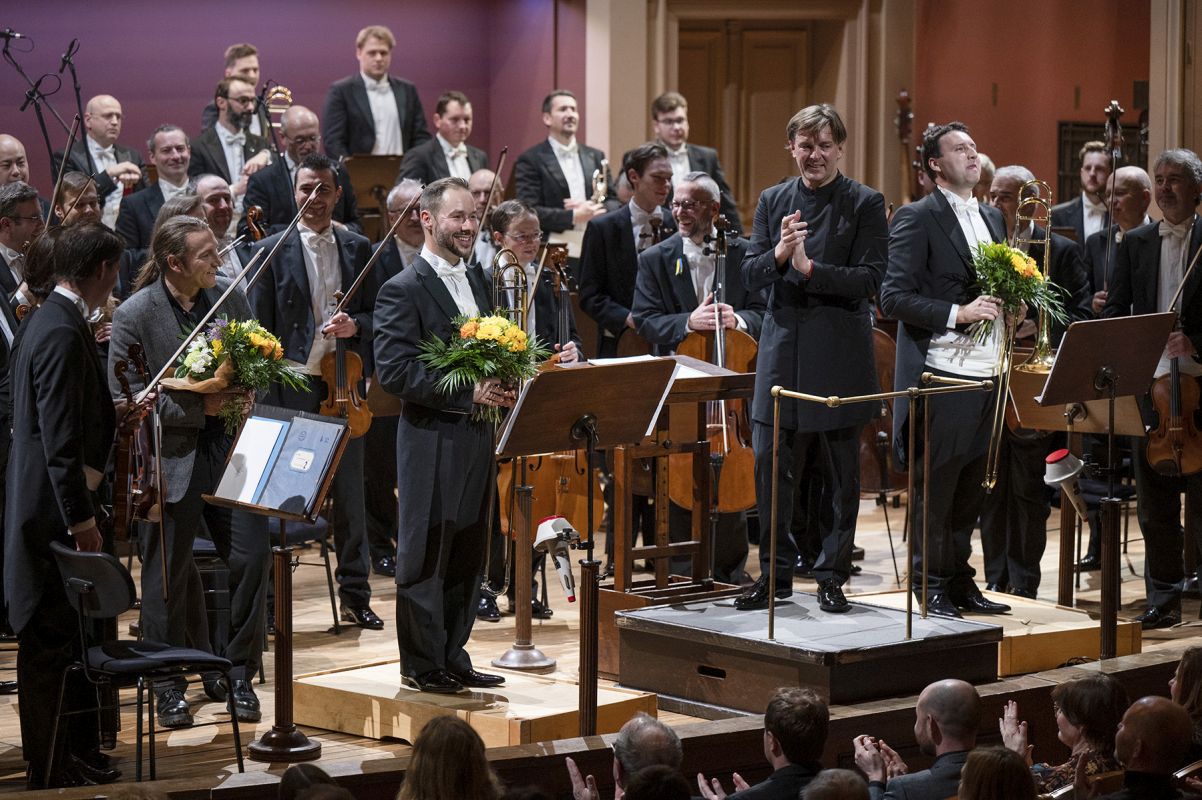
{"x":99,"y":587}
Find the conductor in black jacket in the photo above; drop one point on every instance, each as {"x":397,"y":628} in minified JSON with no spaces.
{"x":444,"y":454}
{"x":818,"y":243}
{"x":447,"y":155}
{"x":555,"y":176}
{"x":931,"y":289}
{"x":373,"y":112}
{"x":63,"y":426}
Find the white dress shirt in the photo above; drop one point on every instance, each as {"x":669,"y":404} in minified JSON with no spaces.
{"x":1094,"y":214}
{"x":103,"y":158}
{"x":16,"y":262}
{"x":384,"y":117}
{"x":325,"y":278}
{"x":454,"y":277}
{"x":641,"y":226}
{"x":680,"y":162}
{"x":456,"y":158}
{"x":702,"y":268}
{"x":568,"y":157}
{"x":952,"y":351}
{"x":1174,"y":249}
{"x":485,"y":250}
{"x":170,"y":190}
{"x":231,"y":264}
{"x":232,"y":144}
{"x":407,"y":252}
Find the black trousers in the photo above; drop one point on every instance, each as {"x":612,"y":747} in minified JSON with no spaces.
{"x":379,"y":487}
{"x":48,"y":644}
{"x":349,"y":517}
{"x":1159,"y":504}
{"x":959,"y":440}
{"x":729,"y":547}
{"x":242,"y":543}
{"x":1014,"y":516}
{"x":833,"y":459}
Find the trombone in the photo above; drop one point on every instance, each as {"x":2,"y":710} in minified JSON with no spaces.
{"x":601,"y":182}
{"x":510,"y":292}
{"x":1034,"y":207}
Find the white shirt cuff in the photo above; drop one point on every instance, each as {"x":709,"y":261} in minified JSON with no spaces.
{"x":82,"y":526}
{"x":951,"y":318}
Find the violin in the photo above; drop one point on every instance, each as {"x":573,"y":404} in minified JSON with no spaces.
{"x":1174,"y":447}
{"x":254,"y":223}
{"x":136,"y":479}
{"x":342,"y":372}
{"x":728,"y":425}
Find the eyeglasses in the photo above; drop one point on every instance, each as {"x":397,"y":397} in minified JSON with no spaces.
{"x":525,"y":238}
{"x":688,"y":206}
{"x":413,"y":212}
{"x":247,"y":100}
{"x":33,"y":218}
{"x":314,"y":139}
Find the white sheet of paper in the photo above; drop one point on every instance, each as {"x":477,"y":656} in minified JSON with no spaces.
{"x":248,"y":462}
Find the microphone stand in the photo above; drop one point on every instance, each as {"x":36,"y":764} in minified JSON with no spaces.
{"x":68,"y":62}
{"x":1114,"y":137}
{"x":36,"y":97}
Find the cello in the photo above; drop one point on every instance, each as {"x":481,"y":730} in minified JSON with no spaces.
{"x":728,"y":426}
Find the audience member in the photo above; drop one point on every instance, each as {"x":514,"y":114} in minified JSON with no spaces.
{"x":1185,"y":689}
{"x":836,"y":784}
{"x":448,"y":763}
{"x":642,"y":742}
{"x":299,"y":777}
{"x":1087,"y":713}
{"x":795,"y":725}
{"x":658,"y":783}
{"x":947,"y":717}
{"x":995,"y":773}
{"x":323,"y":791}
{"x":1151,"y":742}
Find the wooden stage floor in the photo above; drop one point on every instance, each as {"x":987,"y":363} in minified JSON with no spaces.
{"x":204,"y":754}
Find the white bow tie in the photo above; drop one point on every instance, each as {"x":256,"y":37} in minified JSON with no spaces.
{"x":455,"y":271}
{"x":568,"y":149}
{"x":459,"y":151}
{"x":379,"y":87}
{"x":961,"y":204}
{"x":1180,"y":230}
{"x":106,"y":151}
{"x":312,"y":238}
{"x":238,"y":139}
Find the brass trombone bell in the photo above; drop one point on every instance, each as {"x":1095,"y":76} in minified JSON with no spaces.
{"x":1032,"y":211}
{"x":510,"y":287}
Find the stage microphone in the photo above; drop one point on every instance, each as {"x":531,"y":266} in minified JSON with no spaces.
{"x":554,"y":537}
{"x":34,"y":92}
{"x":72,"y":49}
{"x":9,"y":33}
{"x":1062,"y":469}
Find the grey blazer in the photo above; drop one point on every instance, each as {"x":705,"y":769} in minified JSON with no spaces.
{"x":942,"y":780}
{"x":146,"y":318}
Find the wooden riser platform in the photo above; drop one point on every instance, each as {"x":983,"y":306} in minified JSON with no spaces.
{"x":712,"y":654}
{"x":1039,"y":635}
{"x":370,"y":701}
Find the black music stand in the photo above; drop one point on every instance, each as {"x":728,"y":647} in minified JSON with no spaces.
{"x":281,"y":466}
{"x":597,"y":407}
{"x":1105,"y":359}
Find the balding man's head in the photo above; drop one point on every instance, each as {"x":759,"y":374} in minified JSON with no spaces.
{"x":1153,"y":736}
{"x":13,"y":164}
{"x":102,"y":118}
{"x":644,"y":741}
{"x":301,"y":132}
{"x":1130,"y":189}
{"x":948,"y":715}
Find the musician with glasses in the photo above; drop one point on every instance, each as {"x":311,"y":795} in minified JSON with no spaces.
{"x":818,"y":246}
{"x":227,"y":149}
{"x":271,"y":187}
{"x":117,"y":168}
{"x":670,"y":121}
{"x":241,"y":61}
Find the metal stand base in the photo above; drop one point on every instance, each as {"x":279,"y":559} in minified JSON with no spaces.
{"x":524,"y":656}
{"x":286,"y":745}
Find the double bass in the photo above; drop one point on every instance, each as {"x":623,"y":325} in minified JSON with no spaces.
{"x":727,"y":423}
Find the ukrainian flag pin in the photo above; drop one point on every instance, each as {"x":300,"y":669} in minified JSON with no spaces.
{"x":679,"y":266}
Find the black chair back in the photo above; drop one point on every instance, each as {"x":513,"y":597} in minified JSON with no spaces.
{"x":97,"y":584}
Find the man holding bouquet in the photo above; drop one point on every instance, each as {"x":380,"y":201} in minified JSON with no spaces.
{"x":931,"y":288}
{"x":444,"y":448}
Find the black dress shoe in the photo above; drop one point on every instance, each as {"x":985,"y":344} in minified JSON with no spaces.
{"x":97,"y":776}
{"x":831,"y":599}
{"x":1027,"y":593}
{"x":804,"y":567}
{"x":1155,"y":618}
{"x":246,"y":702}
{"x":756,"y":597}
{"x":972,"y":600}
{"x":384,"y":565}
{"x":939,"y":605}
{"x":63,"y":778}
{"x":1089,"y":564}
{"x":215,"y":688}
{"x":539,"y":611}
{"x":478,"y":680}
{"x":487,"y":610}
{"x":994,"y":587}
{"x":608,"y":570}
{"x":8,"y":687}
{"x":96,"y":759}
{"x":437,"y":681}
{"x":172,"y":710}
{"x":363,"y":616}
{"x":857,"y":553}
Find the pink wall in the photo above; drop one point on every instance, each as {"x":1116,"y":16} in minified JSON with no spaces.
{"x":162,"y":60}
{"x":1038,"y":52}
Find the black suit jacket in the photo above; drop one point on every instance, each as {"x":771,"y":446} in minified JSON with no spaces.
{"x":1095,"y":258}
{"x":135,"y":222}
{"x":818,"y":332}
{"x":609,"y":264}
{"x":930,"y":269}
{"x":80,"y":160}
{"x":539,"y":181}
{"x":7,"y":282}
{"x":785,"y":783}
{"x":412,"y":307}
{"x":208,"y":156}
{"x":63,"y":420}
{"x":664,"y":295}
{"x":941,"y":780}
{"x":1066,"y":269}
{"x":347,"y":126}
{"x":5,"y":390}
{"x":281,"y":297}
{"x":271,"y":190}
{"x":1071,"y":214}
{"x":427,"y":162}
{"x":705,"y":159}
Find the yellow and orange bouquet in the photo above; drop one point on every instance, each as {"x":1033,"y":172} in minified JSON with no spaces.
{"x":1013,"y":277}
{"x":231,"y":355}
{"x":485,"y":347}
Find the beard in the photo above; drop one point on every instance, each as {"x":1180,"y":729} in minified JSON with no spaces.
{"x":446,"y":240}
